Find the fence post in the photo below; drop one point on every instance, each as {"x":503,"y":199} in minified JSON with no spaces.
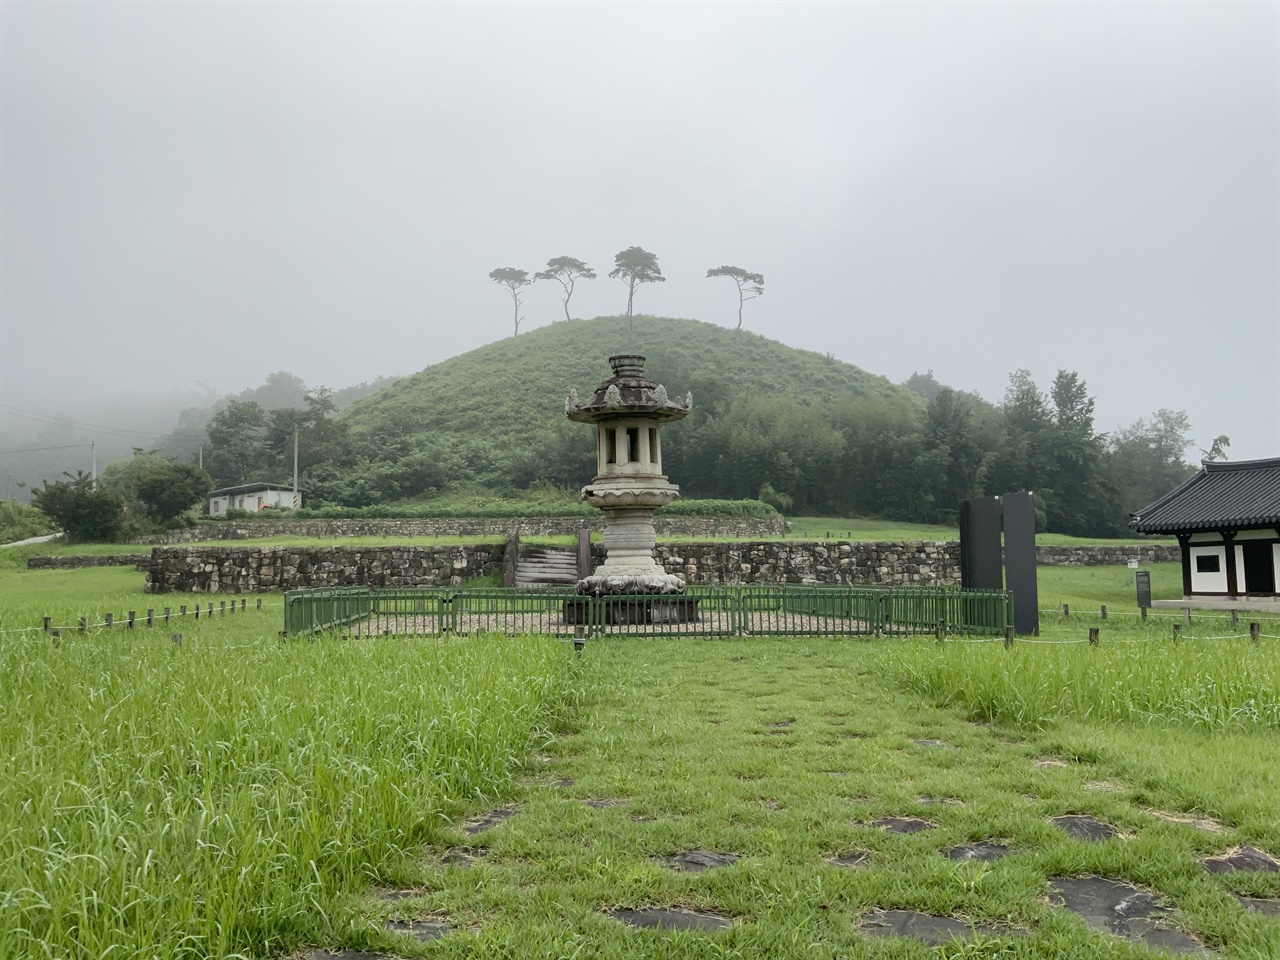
{"x":133,"y":616}
{"x":84,"y":624}
{"x":1066,"y":610}
{"x":942,"y":630}
{"x":222,"y":608}
{"x":1186,"y":616}
{"x":1093,"y":636}
{"x":166,"y":616}
{"x":177,"y":640}
{"x":1008,"y":637}
{"x":259,"y":603}
{"x":48,"y":624}
{"x":1255,"y":631}
{"x":244,"y":605}
{"x":107,"y":620}
{"x":57,"y":637}
{"x":1103,"y":611}
{"x":210,"y":610}
{"x":1142,"y":612}
{"x":1235,"y":619}
{"x":151,"y":617}
{"x":197,"y":611}
{"x":1177,"y":632}
{"x":233,"y":608}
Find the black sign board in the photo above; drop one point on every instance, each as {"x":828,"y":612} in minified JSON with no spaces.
{"x":980,"y":544}
{"x":1020,"y":560}
{"x":1144,"y":588}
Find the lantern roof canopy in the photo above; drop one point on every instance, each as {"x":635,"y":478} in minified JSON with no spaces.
{"x":628,"y":393}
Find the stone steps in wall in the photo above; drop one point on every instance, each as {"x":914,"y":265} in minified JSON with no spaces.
{"x":547,"y":567}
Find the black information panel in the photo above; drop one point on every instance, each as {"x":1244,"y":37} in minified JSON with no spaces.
{"x":1020,"y":560}
{"x":980,"y":544}
{"x":1144,"y":588}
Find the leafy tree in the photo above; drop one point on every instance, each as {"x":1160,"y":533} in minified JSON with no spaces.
{"x":236,"y":449}
{"x":565,"y":271}
{"x":634,"y":266}
{"x":950,"y":431}
{"x":1218,"y":449}
{"x":513,"y":280}
{"x":750,"y":285}
{"x":160,"y":488}
{"x":1074,"y":458}
{"x":924,"y":384}
{"x":321,"y":437}
{"x":1146,"y":459}
{"x":85,"y":512}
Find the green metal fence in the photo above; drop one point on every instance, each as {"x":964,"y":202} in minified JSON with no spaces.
{"x":721,"y":611}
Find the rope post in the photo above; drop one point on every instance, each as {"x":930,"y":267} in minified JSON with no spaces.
{"x":1235,"y":619}
{"x":166,"y":616}
{"x":1103,"y":611}
{"x":1008,"y":637}
{"x":57,"y":637}
{"x":151,"y":617}
{"x":244,"y":604}
{"x":84,"y":624}
{"x":259,"y":603}
{"x":1066,"y":610}
{"x":107,"y":620}
{"x":197,"y":611}
{"x":133,"y":616}
{"x":222,"y":608}
{"x":1255,"y":632}
{"x":210,"y":610}
{"x":1142,"y":612}
{"x":233,"y":608}
{"x":1093,"y":636}
{"x":1186,"y":616}
{"x":182,"y":610}
{"x":942,"y":630}
{"x":48,"y":624}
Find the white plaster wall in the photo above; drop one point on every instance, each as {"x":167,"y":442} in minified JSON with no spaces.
{"x":1209,"y":582}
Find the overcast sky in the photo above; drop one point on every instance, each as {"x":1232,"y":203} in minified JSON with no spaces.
{"x":207,"y":192}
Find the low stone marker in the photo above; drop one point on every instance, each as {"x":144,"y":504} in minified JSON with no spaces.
{"x":488,"y":821}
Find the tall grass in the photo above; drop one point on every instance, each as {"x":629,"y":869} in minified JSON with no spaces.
{"x":1205,"y":684}
{"x":218,"y":798}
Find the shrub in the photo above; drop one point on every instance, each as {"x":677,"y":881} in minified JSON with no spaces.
{"x":85,"y":512}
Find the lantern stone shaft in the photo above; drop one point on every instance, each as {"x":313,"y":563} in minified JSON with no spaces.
{"x":627,"y":411}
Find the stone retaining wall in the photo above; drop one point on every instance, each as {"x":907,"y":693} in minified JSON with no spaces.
{"x":139,"y":560}
{"x":249,"y":569}
{"x":480,"y":527}
{"x":1107,"y":555}
{"x":244,"y":569}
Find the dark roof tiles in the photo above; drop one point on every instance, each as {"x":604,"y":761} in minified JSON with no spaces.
{"x":1221,"y":496}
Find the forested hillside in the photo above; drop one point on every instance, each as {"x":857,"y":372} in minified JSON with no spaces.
{"x":805,"y":432}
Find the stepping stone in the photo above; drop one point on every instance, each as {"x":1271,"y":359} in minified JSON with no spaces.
{"x":902,"y":824}
{"x":1051,"y":762}
{"x":777,"y":733}
{"x":1269,"y":907}
{"x":488,"y":821}
{"x":1123,"y":911}
{"x":661,"y":918}
{"x":1208,"y":824}
{"x":602,"y":804}
{"x":562,"y":784}
{"x":1243,"y":860}
{"x":462,"y":856}
{"x":836,"y":773}
{"x":422,"y":930}
{"x":935,"y":931}
{"x":936,"y":744}
{"x":389,"y":895}
{"x":1085,"y":828}
{"x":984,"y":850}
{"x":852,"y":861}
{"x":939,"y":802}
{"x":695,"y":861}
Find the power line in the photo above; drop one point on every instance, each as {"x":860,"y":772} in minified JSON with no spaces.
{"x":68,"y":422}
{"x":65,"y":446}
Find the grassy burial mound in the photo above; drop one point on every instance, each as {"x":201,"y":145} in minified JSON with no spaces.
{"x":495,"y":415}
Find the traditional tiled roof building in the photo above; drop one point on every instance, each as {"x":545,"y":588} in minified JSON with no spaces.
{"x":1227,"y":521}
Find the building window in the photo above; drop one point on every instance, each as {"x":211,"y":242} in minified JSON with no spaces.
{"x":1208,"y":563}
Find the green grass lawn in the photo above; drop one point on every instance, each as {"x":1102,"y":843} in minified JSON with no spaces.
{"x":854,"y":528}
{"x":255,"y":795}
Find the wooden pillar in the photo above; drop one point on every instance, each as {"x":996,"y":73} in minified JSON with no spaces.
{"x":1228,"y":538}
{"x":1184,"y":545}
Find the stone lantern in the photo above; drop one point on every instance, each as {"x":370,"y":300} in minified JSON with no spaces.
{"x":628,"y":410}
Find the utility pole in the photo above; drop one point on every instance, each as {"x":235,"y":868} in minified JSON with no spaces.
{"x":93,"y":474}
{"x":295,"y":466}
{"x":202,"y":456}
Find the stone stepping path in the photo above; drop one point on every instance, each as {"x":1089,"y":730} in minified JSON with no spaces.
{"x":1242,"y":860}
{"x":1259,"y":905}
{"x":903,"y":824}
{"x":422,"y":930}
{"x":985,"y":851}
{"x":1117,"y":908}
{"x":462,"y":856}
{"x":1207,"y":824}
{"x":1085,"y":828}
{"x":488,"y":821}
{"x":935,"y":931}
{"x":695,"y":861}
{"x":667,"y":918}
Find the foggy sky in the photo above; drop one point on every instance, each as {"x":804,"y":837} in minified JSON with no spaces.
{"x":205,"y":193}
